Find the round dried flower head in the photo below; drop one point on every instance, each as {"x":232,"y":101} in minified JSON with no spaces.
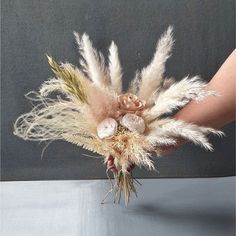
{"x":107,"y":128}
{"x":130,"y":103}
{"x":133,"y":123}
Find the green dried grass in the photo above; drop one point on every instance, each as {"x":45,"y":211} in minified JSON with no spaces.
{"x":70,"y":78}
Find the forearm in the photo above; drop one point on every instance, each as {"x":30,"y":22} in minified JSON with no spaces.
{"x":215,"y":111}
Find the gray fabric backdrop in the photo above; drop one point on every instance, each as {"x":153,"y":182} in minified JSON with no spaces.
{"x":205,"y":36}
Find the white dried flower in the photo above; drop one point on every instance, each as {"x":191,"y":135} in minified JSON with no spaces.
{"x":133,"y":123}
{"x":107,"y":128}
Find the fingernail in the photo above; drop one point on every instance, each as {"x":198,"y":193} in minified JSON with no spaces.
{"x":110,"y":163}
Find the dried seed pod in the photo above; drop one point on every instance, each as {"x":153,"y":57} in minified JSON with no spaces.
{"x":133,"y":123}
{"x":107,"y":128}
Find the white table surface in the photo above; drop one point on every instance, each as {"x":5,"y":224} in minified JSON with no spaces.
{"x":164,"y":207}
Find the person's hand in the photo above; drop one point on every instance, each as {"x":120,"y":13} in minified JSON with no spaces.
{"x":111,"y":166}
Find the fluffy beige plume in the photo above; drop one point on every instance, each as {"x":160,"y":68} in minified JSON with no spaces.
{"x":90,"y":143}
{"x":130,"y":147}
{"x":177,"y":96}
{"x":157,"y":139}
{"x":50,"y":119}
{"x":93,"y":63}
{"x":115,"y":68}
{"x":134,"y":84}
{"x":152,"y":75}
{"x":167,"y":82}
{"x":103,"y":103}
{"x":127,"y":147}
{"x":172,"y":128}
{"x":50,"y":86}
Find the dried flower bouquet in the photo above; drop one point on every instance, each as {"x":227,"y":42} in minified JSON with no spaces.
{"x":92,"y":111}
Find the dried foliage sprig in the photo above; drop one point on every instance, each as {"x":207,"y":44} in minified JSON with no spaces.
{"x":92,"y":111}
{"x":68,"y":75}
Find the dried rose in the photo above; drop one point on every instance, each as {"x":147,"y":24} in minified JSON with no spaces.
{"x":107,"y":128}
{"x":130,"y":103}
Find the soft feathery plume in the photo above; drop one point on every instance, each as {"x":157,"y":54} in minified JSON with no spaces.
{"x":50,"y":86}
{"x":49,"y":119}
{"x":135,"y":83}
{"x":162,"y":140}
{"x":82,"y":60}
{"x":90,"y":143}
{"x":93,"y":61}
{"x":152,"y":75}
{"x":133,"y":148}
{"x":115,"y":68}
{"x":167,"y":82}
{"x":177,"y":96}
{"x":177,"y":128}
{"x":207,"y":130}
{"x":103,"y":103}
{"x":141,"y":158}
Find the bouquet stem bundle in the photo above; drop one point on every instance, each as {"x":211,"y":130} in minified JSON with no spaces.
{"x":123,"y":183}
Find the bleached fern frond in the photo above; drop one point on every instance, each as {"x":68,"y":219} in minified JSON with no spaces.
{"x":152,"y":75}
{"x":177,"y":96}
{"x":115,"y":68}
{"x":93,"y":61}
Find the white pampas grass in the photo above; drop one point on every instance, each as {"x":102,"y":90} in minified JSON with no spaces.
{"x":135,"y":84}
{"x":50,"y":86}
{"x":160,"y":140}
{"x":167,"y":82}
{"x":50,"y":119}
{"x":93,"y":62}
{"x":115,"y":68}
{"x":177,"y":96}
{"x":171,"y":128}
{"x":152,"y":75}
